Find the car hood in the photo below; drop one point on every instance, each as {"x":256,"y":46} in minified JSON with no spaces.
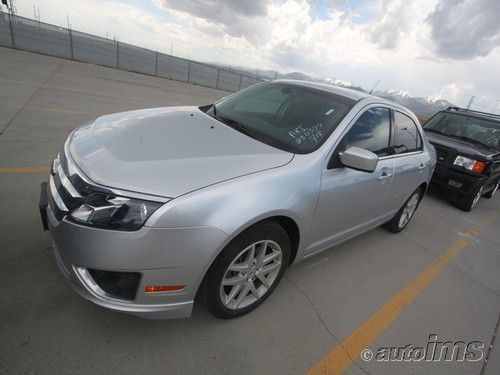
{"x":167,"y":151}
{"x":461,"y":146}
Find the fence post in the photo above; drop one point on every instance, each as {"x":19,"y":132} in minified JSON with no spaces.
{"x":71,"y":43}
{"x":241,"y":79}
{"x":117,"y":54}
{"x":217,"y":81}
{"x":11,"y":32}
{"x":189,"y":71}
{"x":156,"y":63}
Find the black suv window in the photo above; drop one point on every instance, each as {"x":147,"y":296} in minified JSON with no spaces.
{"x":406,"y":136}
{"x":470,"y":128}
{"x":371,"y":132}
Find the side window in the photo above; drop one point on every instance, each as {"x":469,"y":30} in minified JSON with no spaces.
{"x":371,"y":132}
{"x":406,"y":136}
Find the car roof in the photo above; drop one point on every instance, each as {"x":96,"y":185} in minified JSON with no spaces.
{"x":348,"y":93}
{"x":355,"y":95}
{"x":471,"y":113}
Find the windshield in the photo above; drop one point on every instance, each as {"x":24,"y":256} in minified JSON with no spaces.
{"x":466,"y":127}
{"x":290,"y":117}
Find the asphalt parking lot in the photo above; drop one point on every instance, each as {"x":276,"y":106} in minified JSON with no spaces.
{"x":439,"y":277}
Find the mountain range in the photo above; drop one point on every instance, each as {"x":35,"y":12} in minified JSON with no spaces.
{"x":423,"y":107}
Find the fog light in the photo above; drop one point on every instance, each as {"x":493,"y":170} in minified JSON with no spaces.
{"x":163,"y":288}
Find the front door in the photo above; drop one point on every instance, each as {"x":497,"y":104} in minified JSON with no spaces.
{"x":351,"y":200}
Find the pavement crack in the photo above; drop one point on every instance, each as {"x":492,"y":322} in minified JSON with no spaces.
{"x":323,"y":323}
{"x":11,"y":121}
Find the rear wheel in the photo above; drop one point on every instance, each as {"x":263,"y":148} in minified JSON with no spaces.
{"x":247,"y":270}
{"x":404,"y":215}
{"x":467,"y":202}
{"x":492,"y":192}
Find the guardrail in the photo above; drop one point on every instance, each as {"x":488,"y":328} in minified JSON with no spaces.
{"x":40,"y":37}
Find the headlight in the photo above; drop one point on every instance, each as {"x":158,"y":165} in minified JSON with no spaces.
{"x":470,"y":164}
{"x":113,"y":212}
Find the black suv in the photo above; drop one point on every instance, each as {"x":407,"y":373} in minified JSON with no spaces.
{"x":468,"y":153}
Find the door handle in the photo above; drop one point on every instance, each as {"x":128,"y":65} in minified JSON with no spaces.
{"x":421,"y":166}
{"x":384,"y":175}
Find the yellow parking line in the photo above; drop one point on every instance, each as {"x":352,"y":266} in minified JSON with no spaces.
{"x":24,"y":170}
{"x":343,"y":355}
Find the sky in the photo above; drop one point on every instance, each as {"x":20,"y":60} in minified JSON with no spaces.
{"x":440,"y":48}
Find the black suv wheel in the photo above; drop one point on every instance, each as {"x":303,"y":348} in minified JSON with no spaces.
{"x":467,"y":202}
{"x":492,"y":192}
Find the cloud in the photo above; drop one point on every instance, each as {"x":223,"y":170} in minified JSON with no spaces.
{"x":465,"y":29}
{"x":360,"y":42}
{"x":391,"y":25}
{"x":238,"y":18}
{"x":218,"y":10}
{"x":457,"y":93}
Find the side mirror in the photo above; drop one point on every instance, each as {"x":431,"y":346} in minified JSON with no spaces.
{"x":359,"y":158}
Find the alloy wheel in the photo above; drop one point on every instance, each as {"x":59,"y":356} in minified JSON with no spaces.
{"x":495,"y":188}
{"x":409,"y":210}
{"x":251,"y":274}
{"x":477,"y":197}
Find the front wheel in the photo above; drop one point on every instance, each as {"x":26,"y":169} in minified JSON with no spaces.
{"x":492,"y":192}
{"x":467,"y":202}
{"x":247,"y":270}
{"x":405,"y":213}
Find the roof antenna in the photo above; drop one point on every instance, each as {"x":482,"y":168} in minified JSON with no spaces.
{"x":373,"y":88}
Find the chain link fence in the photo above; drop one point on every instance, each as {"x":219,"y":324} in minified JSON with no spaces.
{"x":39,"y":37}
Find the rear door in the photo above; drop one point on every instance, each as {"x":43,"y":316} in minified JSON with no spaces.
{"x":409,"y":161}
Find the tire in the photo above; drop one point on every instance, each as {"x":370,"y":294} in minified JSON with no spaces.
{"x":466,"y":202}
{"x":239,"y":270}
{"x":405,"y":213}
{"x":492,"y":192}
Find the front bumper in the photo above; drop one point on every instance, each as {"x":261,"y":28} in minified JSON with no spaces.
{"x":177,"y":256}
{"x":454,"y":178}
{"x":456,"y":181}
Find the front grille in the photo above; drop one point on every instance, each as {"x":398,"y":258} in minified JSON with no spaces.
{"x":67,"y":189}
{"x":441,"y":153}
{"x":63,"y":196}
{"x":82,"y":186}
{"x":121,"y":285}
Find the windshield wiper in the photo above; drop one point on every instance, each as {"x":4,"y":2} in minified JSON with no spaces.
{"x":246,"y":130}
{"x":234,"y":124}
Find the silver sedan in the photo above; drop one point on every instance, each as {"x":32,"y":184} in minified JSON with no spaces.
{"x":151,"y":208}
